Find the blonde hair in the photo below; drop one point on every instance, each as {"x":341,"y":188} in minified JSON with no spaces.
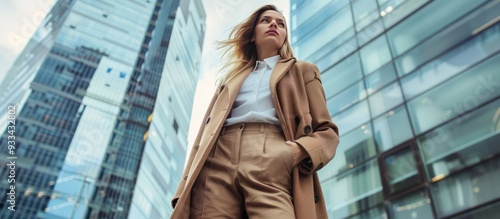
{"x":241,"y":52}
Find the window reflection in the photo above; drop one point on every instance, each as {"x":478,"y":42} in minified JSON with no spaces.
{"x":355,"y":148}
{"x":365,"y":12}
{"x":392,"y":128}
{"x":380,"y":78}
{"x":468,"y":189}
{"x":325,"y":13}
{"x":487,"y":212}
{"x":311,"y":8}
{"x":446,"y":101}
{"x":452,"y":63}
{"x":415,"y":206}
{"x":394,"y":10}
{"x":401,"y":171}
{"x":329,"y":30}
{"x":347,"y":191}
{"x":337,"y":53}
{"x":374,"y":213}
{"x":455,"y":146}
{"x":353,"y":117}
{"x":422,"y":24}
{"x":346,"y":98}
{"x":342,"y":75}
{"x":375,"y":54}
{"x":370,"y":32}
{"x":446,"y":38}
{"x":385,"y":99}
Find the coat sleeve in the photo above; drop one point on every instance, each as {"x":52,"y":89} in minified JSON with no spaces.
{"x":180,"y":187}
{"x":321,"y":143}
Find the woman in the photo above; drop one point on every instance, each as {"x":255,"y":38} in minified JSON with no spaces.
{"x":266,"y":132}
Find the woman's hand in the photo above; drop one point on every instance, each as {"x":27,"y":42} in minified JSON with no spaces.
{"x":299,"y":153}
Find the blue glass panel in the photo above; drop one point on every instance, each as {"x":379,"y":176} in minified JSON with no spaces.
{"x":392,"y":128}
{"x":452,"y":63}
{"x":360,"y":185}
{"x":462,"y":142}
{"x":426,"y":22}
{"x":375,"y":54}
{"x":385,"y":99}
{"x":468,"y":189}
{"x":353,"y":117}
{"x":449,"y":37}
{"x":355,"y":147}
{"x":415,"y":206}
{"x":394,"y":10}
{"x":380,"y":78}
{"x":304,"y":12}
{"x":364,"y":12}
{"x":456,"y":96}
{"x":342,"y":75}
{"x":346,"y":98}
{"x":322,"y":35}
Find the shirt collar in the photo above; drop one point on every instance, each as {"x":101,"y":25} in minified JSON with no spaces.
{"x":271,"y":62}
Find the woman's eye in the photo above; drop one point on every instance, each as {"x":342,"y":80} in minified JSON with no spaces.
{"x":264,"y":20}
{"x":281,"y":24}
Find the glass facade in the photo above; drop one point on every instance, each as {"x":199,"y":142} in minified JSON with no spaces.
{"x":164,"y":154}
{"x":85,"y":88}
{"x":414,"y":87}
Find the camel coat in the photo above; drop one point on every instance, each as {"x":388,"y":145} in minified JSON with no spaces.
{"x":300,"y":104}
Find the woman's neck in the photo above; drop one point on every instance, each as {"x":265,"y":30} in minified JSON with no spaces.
{"x":263,"y":54}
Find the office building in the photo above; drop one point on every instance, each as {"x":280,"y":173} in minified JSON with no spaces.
{"x":164,"y":154}
{"x":85,"y":87}
{"x":414,"y":86}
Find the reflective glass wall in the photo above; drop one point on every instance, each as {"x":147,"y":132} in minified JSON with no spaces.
{"x":164,"y":154}
{"x":83,"y":109}
{"x":414,"y":86}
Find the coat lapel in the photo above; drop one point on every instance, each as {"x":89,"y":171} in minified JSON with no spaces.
{"x":279,"y":70}
{"x":234,"y":84}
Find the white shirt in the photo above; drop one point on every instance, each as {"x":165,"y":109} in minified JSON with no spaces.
{"x":254,"y":102}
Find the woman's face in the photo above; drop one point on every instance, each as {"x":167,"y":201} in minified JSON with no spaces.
{"x":270,"y":31}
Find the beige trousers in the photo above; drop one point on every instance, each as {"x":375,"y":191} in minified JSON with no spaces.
{"x":247,"y":175}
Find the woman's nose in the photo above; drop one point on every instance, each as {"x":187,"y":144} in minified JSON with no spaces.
{"x":273,"y":23}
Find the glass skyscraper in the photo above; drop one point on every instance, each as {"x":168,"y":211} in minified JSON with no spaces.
{"x":85,"y":88}
{"x":414,"y":86}
{"x":166,"y":140}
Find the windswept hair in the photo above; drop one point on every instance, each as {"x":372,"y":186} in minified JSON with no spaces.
{"x":241,"y":52}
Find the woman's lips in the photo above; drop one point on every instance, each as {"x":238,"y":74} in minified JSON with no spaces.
{"x":272,"y":32}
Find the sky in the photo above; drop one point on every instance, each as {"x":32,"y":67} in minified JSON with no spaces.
{"x":20,"y":18}
{"x":18,"y":21}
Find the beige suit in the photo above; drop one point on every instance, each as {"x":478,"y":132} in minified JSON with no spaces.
{"x":301,"y":108}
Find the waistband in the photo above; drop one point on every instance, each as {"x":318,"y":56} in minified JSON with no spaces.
{"x":251,"y":127}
